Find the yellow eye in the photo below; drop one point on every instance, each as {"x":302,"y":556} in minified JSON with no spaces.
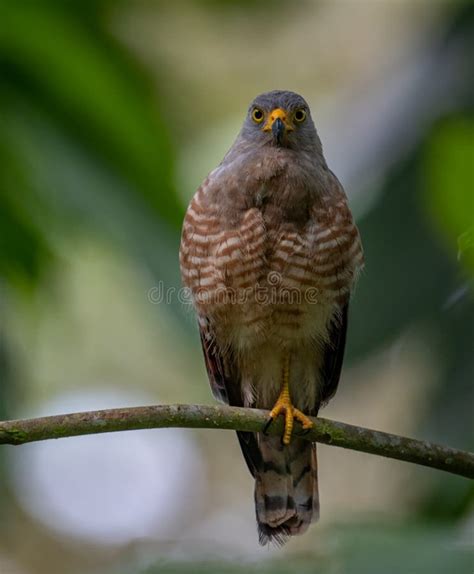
{"x":300,"y":115}
{"x":257,"y":115}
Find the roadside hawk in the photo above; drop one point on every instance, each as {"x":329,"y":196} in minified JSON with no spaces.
{"x":270,"y":254}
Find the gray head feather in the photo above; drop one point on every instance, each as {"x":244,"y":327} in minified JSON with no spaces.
{"x":304,"y":136}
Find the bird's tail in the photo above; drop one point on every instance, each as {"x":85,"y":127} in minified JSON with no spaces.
{"x":286,"y":489}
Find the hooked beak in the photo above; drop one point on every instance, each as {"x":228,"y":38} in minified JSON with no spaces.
{"x":279,"y":125}
{"x":278,"y":131}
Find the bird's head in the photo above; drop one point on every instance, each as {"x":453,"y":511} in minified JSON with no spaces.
{"x":282,"y":119}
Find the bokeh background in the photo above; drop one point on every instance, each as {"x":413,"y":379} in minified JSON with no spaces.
{"x":111,"y":113}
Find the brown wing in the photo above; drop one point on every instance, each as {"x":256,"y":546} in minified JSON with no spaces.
{"x":334,"y":355}
{"x":347,"y":260}
{"x":226,"y":387}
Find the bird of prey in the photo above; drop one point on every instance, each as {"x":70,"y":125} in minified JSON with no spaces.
{"x":270,"y":254}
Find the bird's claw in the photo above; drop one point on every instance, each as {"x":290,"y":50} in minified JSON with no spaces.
{"x":284,"y":406}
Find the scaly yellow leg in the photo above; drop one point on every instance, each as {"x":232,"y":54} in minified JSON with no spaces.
{"x":284,"y":405}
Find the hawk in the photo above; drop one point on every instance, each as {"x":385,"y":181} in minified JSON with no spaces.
{"x":270,"y":254}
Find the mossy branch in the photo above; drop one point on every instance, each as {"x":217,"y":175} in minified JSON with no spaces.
{"x":325,"y":431}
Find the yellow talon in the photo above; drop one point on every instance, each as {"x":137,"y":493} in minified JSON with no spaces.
{"x":284,"y":405}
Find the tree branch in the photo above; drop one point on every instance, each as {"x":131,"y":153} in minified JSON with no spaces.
{"x":18,"y":432}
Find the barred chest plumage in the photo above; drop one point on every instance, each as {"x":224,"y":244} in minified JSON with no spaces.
{"x":265,"y":276}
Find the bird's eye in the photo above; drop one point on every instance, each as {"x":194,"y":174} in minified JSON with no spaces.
{"x":300,"y":115}
{"x":257,"y":115}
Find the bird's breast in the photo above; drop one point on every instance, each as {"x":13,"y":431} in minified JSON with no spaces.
{"x":270,"y":279}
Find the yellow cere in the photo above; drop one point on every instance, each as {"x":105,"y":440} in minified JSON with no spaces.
{"x":274,"y":115}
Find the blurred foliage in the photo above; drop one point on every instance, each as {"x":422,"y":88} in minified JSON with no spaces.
{"x":450,"y":175}
{"x":83,"y":149}
{"x":75,"y":108}
{"x":421,"y":281}
{"x":239,"y":5}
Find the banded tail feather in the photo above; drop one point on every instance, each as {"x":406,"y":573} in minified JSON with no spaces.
{"x":286,"y":489}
